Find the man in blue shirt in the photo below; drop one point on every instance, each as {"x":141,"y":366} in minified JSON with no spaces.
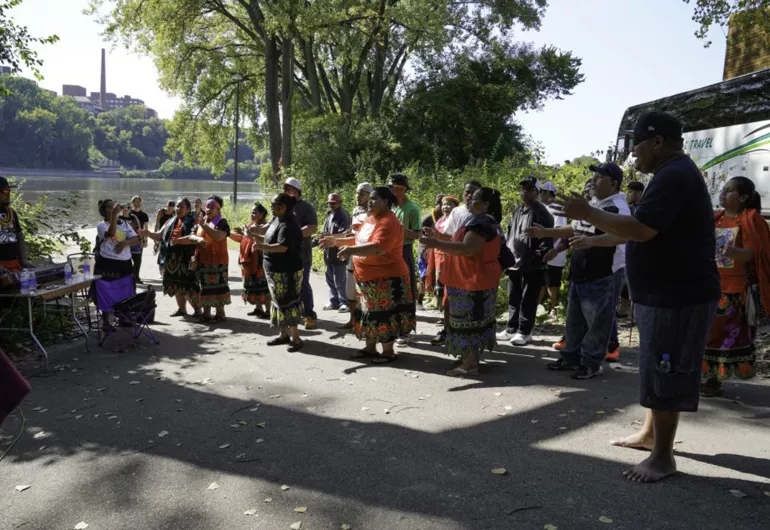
{"x":337,"y":222}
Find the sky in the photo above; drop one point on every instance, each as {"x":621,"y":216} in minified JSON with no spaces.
{"x":632,"y":52}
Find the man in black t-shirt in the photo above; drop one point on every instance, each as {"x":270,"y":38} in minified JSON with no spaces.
{"x":144,"y":221}
{"x":673,"y":280}
{"x":13,"y":249}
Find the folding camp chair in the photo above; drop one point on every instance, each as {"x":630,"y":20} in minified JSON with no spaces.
{"x":126,"y":310}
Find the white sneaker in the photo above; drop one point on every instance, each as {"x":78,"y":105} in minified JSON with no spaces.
{"x":344,"y":309}
{"x":402,"y":341}
{"x":521,"y":340}
{"x":505,"y":335}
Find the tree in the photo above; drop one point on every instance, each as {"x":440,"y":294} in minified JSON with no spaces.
{"x":339,"y":57}
{"x":16,"y":42}
{"x":744,"y":13}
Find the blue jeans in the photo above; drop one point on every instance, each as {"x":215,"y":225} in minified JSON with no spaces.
{"x":306,"y":293}
{"x":590,"y":316}
{"x":336,"y":278}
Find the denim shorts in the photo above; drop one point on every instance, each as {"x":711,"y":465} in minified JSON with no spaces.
{"x":680,"y":332}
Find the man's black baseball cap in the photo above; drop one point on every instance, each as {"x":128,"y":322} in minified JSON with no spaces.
{"x":656,"y":123}
{"x":399,"y":179}
{"x":610,"y":169}
{"x":635,"y":185}
{"x":530,"y":182}
{"x":5,"y":184}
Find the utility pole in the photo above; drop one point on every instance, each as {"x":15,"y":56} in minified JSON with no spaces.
{"x":237,"y":134}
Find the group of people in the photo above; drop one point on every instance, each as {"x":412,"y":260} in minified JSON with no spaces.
{"x":699,"y":280}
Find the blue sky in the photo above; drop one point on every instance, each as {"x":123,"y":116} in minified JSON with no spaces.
{"x":632,"y":52}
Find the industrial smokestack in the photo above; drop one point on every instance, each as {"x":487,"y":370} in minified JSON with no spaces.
{"x":103,"y":92}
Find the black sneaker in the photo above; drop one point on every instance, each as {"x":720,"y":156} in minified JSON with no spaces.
{"x":584,"y":372}
{"x":439,"y":339}
{"x":561,"y":366}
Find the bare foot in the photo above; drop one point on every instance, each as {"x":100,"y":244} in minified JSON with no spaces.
{"x":652,"y":469}
{"x":637,"y":440}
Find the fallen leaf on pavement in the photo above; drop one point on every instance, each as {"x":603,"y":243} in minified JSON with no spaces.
{"x":296,"y":526}
{"x":139,"y":400}
{"x":373,"y":378}
{"x":499,"y":471}
{"x":41,"y":435}
{"x":235,"y":425}
{"x":533,"y":421}
{"x":508,"y":407}
{"x":620,"y":410}
{"x":242,"y":422}
{"x":346,"y":527}
{"x":78,"y":416}
{"x":162,"y":434}
{"x":737,"y":493}
{"x":260,"y":440}
{"x":600,"y":412}
{"x":269,"y":499}
{"x":262,"y":425}
{"x":605,"y":520}
{"x":22,"y":488}
{"x":364,"y":408}
{"x":116,"y":377}
{"x":240,"y":456}
{"x":224,"y":446}
{"x":275,"y":396}
{"x":37,"y":409}
{"x":562,"y":428}
{"x":82,"y":525}
{"x":766,"y":493}
{"x":387,"y":411}
{"x":250,"y":512}
{"x":284,"y":487}
{"x":498,"y":394}
{"x":134,"y":383}
{"x":101,"y":389}
{"x":213,"y":486}
{"x":550,"y":527}
{"x":254,"y":409}
{"x":300,"y":509}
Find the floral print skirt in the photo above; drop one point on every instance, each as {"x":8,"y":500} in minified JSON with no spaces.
{"x":255,"y":289}
{"x":471,"y":326}
{"x":177,"y":276}
{"x":214,"y":287}
{"x":730,"y":346}
{"x":286,"y":304}
{"x":386,"y":309}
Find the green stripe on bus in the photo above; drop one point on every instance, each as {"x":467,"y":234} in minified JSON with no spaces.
{"x":740,"y":150}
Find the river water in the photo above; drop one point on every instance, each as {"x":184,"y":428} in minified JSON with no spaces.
{"x":80,"y":195}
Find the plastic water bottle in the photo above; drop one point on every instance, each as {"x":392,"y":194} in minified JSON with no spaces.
{"x":665,"y":363}
{"x":24,"y":282}
{"x":87,"y":269}
{"x":32,"y":283}
{"x":67,"y":274}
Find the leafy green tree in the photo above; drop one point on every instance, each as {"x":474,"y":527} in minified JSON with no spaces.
{"x":16,"y":42}
{"x":284,"y":57}
{"x":39,"y":129}
{"x":746,"y":14}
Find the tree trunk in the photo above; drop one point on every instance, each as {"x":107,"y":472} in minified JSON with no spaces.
{"x":287,"y":92}
{"x":312,"y":74}
{"x":272,"y":105}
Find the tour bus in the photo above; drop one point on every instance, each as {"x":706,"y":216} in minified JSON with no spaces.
{"x":726,"y":130}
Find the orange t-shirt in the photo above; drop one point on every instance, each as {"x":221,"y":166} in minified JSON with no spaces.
{"x":215,"y":252}
{"x":732,"y":273}
{"x":387,"y":233}
{"x":479,"y":272}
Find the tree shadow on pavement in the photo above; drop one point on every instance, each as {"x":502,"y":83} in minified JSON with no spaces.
{"x":156,"y":440}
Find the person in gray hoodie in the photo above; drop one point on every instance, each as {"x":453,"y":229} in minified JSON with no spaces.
{"x":525,"y":278}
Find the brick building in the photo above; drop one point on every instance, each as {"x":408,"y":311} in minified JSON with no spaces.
{"x":748,"y":49}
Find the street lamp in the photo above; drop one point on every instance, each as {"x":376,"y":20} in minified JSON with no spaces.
{"x":238,"y":78}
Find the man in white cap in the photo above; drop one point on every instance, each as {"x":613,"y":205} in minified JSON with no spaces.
{"x":555,"y":260}
{"x":337,"y":222}
{"x":308,"y":221}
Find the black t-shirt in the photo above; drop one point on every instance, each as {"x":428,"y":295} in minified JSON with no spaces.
{"x":144,"y":219}
{"x":593,"y":263}
{"x":10,"y":234}
{"x":287,"y":232}
{"x":676,"y":267}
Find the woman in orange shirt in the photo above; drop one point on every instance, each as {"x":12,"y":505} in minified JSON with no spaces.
{"x":255,"y":290}
{"x":386,"y":307}
{"x":212,"y":261}
{"x":743,"y":259}
{"x":471,"y":274}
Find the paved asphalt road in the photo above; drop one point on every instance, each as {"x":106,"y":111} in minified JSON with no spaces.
{"x":136,"y":440}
